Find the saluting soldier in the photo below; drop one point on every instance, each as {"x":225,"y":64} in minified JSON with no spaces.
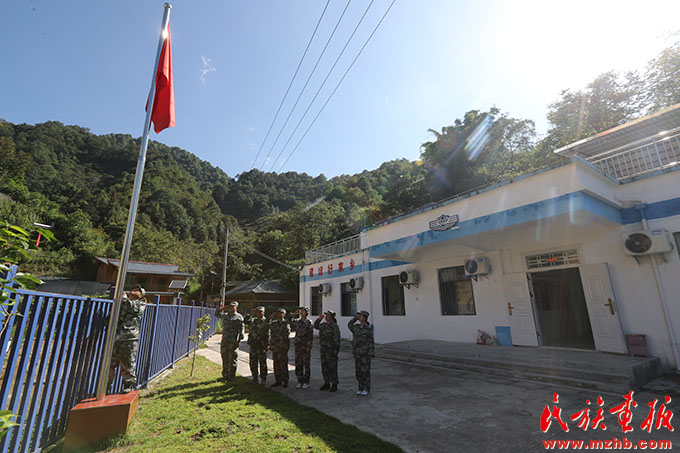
{"x":279,"y":343}
{"x":329,"y":342}
{"x":304,"y":336}
{"x":258,"y":339}
{"x":363,"y":348}
{"x":232,"y":334}
{"x":124,"y":352}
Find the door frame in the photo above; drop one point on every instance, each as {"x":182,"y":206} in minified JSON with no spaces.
{"x":539,"y":328}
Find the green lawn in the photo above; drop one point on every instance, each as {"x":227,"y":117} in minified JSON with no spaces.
{"x":199,"y":413}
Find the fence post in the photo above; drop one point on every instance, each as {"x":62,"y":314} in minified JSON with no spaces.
{"x":153,"y":338}
{"x":174,"y":337}
{"x":191,"y":320}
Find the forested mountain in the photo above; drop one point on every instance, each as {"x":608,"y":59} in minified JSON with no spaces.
{"x":81,"y":183}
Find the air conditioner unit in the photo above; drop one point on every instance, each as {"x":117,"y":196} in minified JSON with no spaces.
{"x":325,"y":289}
{"x":646,"y":242}
{"x":409,"y":277}
{"x":477,"y":266}
{"x":356,"y":283}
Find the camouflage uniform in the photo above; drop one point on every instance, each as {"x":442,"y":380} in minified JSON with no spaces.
{"x":258,"y":339}
{"x":279,"y":345}
{"x":232,"y":334}
{"x":125,"y":344}
{"x":304,"y":336}
{"x":363,"y":349}
{"x":329,"y":342}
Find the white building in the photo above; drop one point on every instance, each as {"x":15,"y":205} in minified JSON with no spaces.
{"x":578,"y":256}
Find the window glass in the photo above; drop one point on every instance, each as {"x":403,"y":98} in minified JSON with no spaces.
{"x":455,"y":292}
{"x":349,"y":301}
{"x":393,"y":296}
{"x":316,"y":301}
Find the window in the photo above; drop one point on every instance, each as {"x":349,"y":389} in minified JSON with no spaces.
{"x":455,"y":292}
{"x":349,"y":301}
{"x":316,"y":301}
{"x":393,"y":296}
{"x":552,"y":259}
{"x":141,"y":280}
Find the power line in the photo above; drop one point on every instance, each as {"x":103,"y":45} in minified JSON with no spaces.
{"x":264,"y":255}
{"x":307,"y":82}
{"x":322,"y":85}
{"x":338,"y":85}
{"x":290,"y":84}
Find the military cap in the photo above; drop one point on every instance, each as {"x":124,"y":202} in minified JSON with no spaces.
{"x":260,"y":308}
{"x":365,"y":313}
{"x":233,"y":303}
{"x":304,"y":308}
{"x":282,"y":310}
{"x":330,"y":312}
{"x":141,"y":290}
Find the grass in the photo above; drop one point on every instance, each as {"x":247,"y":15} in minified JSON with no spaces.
{"x":199,"y":413}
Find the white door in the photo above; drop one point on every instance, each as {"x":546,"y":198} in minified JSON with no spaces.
{"x":520,"y":310}
{"x":602,"y":308}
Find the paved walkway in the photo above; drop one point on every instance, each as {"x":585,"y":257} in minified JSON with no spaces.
{"x":429,"y":409}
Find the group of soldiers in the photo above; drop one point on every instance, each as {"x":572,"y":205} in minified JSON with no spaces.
{"x":274,"y":334}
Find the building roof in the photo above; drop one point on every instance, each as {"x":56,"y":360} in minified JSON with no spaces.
{"x":143,"y":267}
{"x":260,"y":287}
{"x":658,"y":124}
{"x":74,"y":287}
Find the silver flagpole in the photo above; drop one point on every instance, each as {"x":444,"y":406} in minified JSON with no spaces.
{"x":122,"y":269}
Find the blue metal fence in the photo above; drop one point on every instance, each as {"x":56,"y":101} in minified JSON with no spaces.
{"x":50,"y":352}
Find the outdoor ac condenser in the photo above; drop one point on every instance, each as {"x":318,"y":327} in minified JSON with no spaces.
{"x":409,"y":277}
{"x":477,"y":266}
{"x":646,"y":242}
{"x":325,"y":289}
{"x":356,"y":283}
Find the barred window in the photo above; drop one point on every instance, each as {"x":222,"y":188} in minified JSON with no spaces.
{"x":316,"y":301}
{"x":349,"y":300}
{"x":393,"y":296}
{"x":455,"y":292}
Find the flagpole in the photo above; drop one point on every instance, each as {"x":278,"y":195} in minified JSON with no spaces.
{"x":122,"y":269}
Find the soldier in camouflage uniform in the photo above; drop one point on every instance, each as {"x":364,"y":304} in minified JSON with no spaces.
{"x":258,"y":339}
{"x":279,"y":343}
{"x":232,"y":334}
{"x":127,"y":337}
{"x":304,"y":336}
{"x":363,"y":349}
{"x":329,"y":342}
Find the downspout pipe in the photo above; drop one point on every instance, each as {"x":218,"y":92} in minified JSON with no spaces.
{"x":662,"y":294}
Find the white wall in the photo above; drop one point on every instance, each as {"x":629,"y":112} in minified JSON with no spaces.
{"x":636,"y":293}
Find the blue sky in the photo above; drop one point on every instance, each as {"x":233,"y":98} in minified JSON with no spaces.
{"x":90,"y":62}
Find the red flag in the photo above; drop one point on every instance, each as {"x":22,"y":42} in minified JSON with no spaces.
{"x":163,"y":113}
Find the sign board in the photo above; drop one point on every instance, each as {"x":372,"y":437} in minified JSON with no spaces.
{"x":445,"y":222}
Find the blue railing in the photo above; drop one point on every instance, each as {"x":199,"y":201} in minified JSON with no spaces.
{"x":50,"y":352}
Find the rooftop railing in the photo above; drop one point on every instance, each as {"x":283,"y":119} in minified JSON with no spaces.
{"x":644,"y":156}
{"x":328,"y":251}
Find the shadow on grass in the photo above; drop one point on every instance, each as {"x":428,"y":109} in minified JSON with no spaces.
{"x":337,"y":435}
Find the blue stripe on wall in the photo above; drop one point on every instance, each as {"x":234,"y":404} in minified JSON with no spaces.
{"x":658,"y":210}
{"x":535,"y":211}
{"x":382,"y":264}
{"x":336,"y":274}
{"x":563,"y":204}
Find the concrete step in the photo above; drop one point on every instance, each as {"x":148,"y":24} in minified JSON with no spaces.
{"x":623,"y":377}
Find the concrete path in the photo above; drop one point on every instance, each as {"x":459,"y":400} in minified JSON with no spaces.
{"x":429,"y":409}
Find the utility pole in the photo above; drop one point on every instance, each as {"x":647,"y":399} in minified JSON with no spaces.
{"x":224,"y":268}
